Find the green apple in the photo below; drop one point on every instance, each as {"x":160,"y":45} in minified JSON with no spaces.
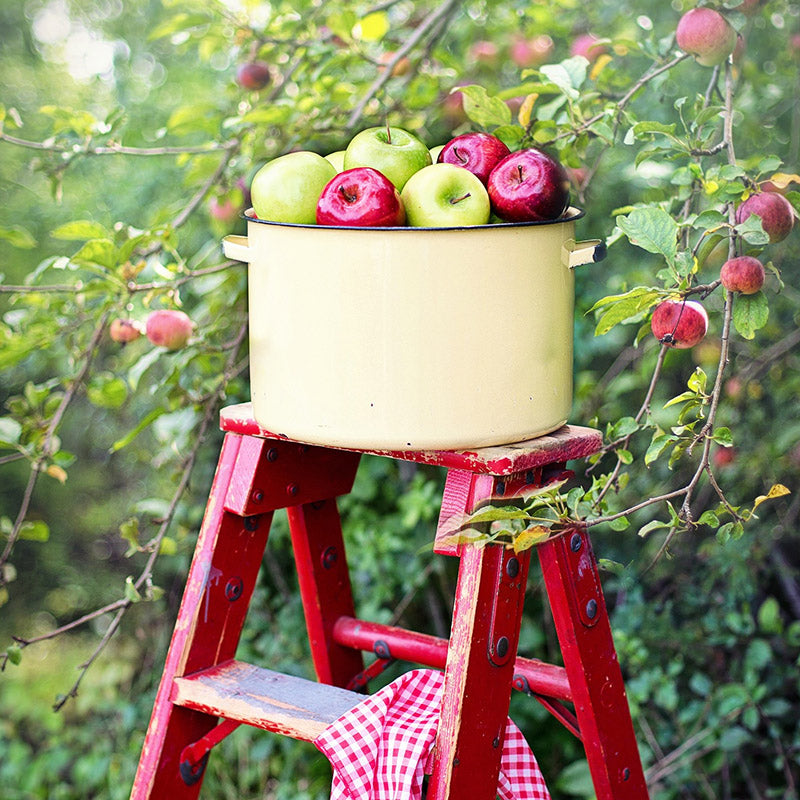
{"x":396,"y":153}
{"x":435,"y":152}
{"x":287,"y":188}
{"x":445,"y":196}
{"x":337,"y":159}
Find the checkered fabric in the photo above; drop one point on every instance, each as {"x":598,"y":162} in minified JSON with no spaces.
{"x":381,"y":749}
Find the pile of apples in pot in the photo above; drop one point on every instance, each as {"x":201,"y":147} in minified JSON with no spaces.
{"x":387,"y":177}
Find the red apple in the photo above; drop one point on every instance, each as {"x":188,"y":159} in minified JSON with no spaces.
{"x":776,"y":212}
{"x":679,"y":323}
{"x":477,"y":152}
{"x":528,"y":185}
{"x":586,"y":45}
{"x":253,"y":75}
{"x":794,"y":45}
{"x":723,"y":457}
{"x":124,"y":330}
{"x":168,"y":328}
{"x":531,"y":52}
{"x":361,"y":197}
{"x":707,"y":35}
{"x":485,"y":52}
{"x":744,"y":274}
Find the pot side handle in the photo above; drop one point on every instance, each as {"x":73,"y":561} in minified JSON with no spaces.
{"x":588,"y":252}
{"x":236,"y":248}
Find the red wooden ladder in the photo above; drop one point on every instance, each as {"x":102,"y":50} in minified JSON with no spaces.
{"x":205,"y":693}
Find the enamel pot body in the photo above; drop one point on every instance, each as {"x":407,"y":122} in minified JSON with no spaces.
{"x":411,"y":338}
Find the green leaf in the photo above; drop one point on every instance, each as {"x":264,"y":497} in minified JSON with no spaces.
{"x":10,"y":431}
{"x":107,"y":391}
{"x":659,"y":443}
{"x":97,"y":251}
{"x":35,"y":531}
{"x":489,"y":112}
{"x":18,"y":237}
{"x":653,"y":230}
{"x":769,"y":616}
{"x":131,"y":592}
{"x":148,"y":420}
{"x":752,"y":231}
{"x":568,"y":76}
{"x":80,"y":229}
{"x":723,"y":436}
{"x":14,"y":653}
{"x":750,"y":313}
{"x":697,"y":381}
{"x":709,"y":518}
{"x":129,"y":531}
{"x":653,"y":525}
{"x":624,"y":307}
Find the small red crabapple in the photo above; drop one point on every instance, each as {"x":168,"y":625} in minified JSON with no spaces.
{"x":743,"y":274}
{"x":679,"y":323}
{"x":168,"y":328}
{"x":124,"y":330}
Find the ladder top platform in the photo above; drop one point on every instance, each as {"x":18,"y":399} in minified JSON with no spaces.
{"x":568,"y":442}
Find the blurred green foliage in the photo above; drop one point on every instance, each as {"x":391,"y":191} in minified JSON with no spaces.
{"x":122,"y":123}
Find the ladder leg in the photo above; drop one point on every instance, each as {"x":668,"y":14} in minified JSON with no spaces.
{"x":324,"y":587}
{"x":598,"y":692}
{"x":480,"y":665}
{"x":218,"y":590}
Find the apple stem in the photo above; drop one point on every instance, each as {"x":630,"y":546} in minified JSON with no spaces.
{"x":388,"y":133}
{"x":459,"y":199}
{"x":519,"y":170}
{"x":458,"y":155}
{"x":348,"y":196}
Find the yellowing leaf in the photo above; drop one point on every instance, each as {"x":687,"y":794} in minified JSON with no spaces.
{"x":530,"y":537}
{"x":778,"y":490}
{"x":526,"y":109}
{"x":373,"y":27}
{"x":60,"y":474}
{"x":783,"y":179}
{"x":600,"y":64}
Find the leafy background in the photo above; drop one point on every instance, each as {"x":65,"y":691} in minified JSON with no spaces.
{"x":122,"y":124}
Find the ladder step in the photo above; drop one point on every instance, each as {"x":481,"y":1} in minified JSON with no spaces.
{"x":294,"y":707}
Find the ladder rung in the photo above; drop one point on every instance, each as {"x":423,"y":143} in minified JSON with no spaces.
{"x":270,"y":700}
{"x":539,"y":677}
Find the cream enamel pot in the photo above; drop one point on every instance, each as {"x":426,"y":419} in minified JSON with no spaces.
{"x":411,"y":338}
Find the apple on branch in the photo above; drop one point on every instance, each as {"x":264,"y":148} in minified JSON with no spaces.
{"x":287,"y":188}
{"x":169,"y":328}
{"x":528,"y":185}
{"x":707,"y":35}
{"x":744,"y":274}
{"x":253,"y":75}
{"x":679,"y":323}
{"x":478,"y":152}
{"x":445,"y":196}
{"x":396,"y":153}
{"x":361,"y":197}
{"x":124,"y":330}
{"x":775,"y":211}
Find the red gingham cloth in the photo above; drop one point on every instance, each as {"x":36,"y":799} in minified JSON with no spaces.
{"x":381,"y":749}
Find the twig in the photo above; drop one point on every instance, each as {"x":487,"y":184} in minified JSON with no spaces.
{"x":429,"y":23}
{"x":118,"y":149}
